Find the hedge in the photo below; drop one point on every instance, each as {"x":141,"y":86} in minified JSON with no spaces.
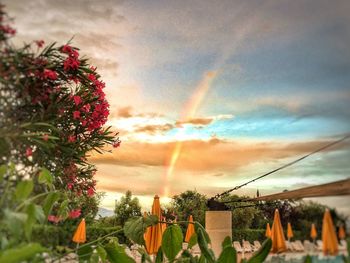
{"x":259,"y":234}
{"x":52,"y":236}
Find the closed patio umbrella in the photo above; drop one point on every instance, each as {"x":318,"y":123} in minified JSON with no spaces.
{"x":329,"y":237}
{"x":277,"y":235}
{"x":268,"y":231}
{"x":80,"y":233}
{"x":190,"y":229}
{"x":313,"y":232}
{"x":289,"y":231}
{"x":341,"y":233}
{"x":153,"y":235}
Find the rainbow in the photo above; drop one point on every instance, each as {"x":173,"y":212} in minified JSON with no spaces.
{"x":191,"y":108}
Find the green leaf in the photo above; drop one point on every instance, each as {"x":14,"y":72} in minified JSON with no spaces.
{"x":229,"y":254}
{"x":193,"y":241}
{"x":135,"y":228}
{"x":102,"y":253}
{"x":15,"y":222}
{"x":116,"y":254}
{"x":262,"y":253}
{"x":49,"y":201}
{"x":63,"y":210}
{"x":198,"y":226}
{"x":308,"y":259}
{"x":3,"y":170}
{"x":45,"y":177}
{"x":84,"y":253}
{"x":226,"y":243}
{"x":202,"y":259}
{"x":24,"y":189}
{"x":21,"y":253}
{"x":159,"y":257}
{"x":31,"y":217}
{"x":203,"y":245}
{"x":172,"y":241}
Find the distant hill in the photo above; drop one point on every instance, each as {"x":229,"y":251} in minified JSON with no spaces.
{"x":104,"y":212}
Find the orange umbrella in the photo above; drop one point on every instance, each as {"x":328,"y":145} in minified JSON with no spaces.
{"x":329,"y":237}
{"x":163,"y":224}
{"x":277,"y":235}
{"x":190,"y":229}
{"x":289,"y":231}
{"x":313,"y":233}
{"x":80,"y":233}
{"x":153,"y":235}
{"x":341,"y":232}
{"x":268,"y":231}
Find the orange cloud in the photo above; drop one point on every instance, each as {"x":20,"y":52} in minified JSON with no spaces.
{"x":196,"y":121}
{"x":153,"y":129}
{"x":213,"y":155}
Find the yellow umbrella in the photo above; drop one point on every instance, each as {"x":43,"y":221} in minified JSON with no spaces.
{"x":268,"y":231}
{"x":80,"y":233}
{"x":289,"y":231}
{"x":277,"y":235}
{"x":190,"y":229}
{"x":341,"y":233}
{"x":329,"y":237}
{"x":153,"y":235}
{"x":313,"y":233}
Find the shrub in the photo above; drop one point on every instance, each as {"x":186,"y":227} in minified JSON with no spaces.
{"x":248,"y":234}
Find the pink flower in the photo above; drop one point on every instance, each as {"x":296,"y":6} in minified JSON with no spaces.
{"x":90,"y":192}
{"x":74,"y":213}
{"x":86,"y":107}
{"x":53,"y":219}
{"x":116,"y":144}
{"x":66,"y":49}
{"x":70,"y":186}
{"x":71,"y":138}
{"x":77,"y":100}
{"x":71,"y":64}
{"x":76,"y":115}
{"x":50,"y":74}
{"x":40,"y":43}
{"x":29,"y":152}
{"x":83,"y":123}
{"x":46,"y":137}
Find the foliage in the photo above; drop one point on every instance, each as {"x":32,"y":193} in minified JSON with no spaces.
{"x":189,"y":203}
{"x":126,"y":208}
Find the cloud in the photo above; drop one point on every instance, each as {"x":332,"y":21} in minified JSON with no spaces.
{"x":125,"y":112}
{"x":154,"y":129}
{"x":212,"y":155}
{"x":195,"y":121}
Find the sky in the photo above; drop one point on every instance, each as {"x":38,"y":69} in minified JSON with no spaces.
{"x":209,"y":94}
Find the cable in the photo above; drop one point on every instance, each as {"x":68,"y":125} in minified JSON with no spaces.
{"x":283,"y":166}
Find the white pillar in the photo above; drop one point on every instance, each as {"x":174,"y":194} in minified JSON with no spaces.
{"x":218,"y":224}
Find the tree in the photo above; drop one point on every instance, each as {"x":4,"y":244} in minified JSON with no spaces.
{"x":127,"y":207}
{"x":190,"y":203}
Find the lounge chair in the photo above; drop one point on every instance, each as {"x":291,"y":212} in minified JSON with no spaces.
{"x":247,"y":247}
{"x":289,"y":246}
{"x":300,"y":246}
{"x":257,"y":245}
{"x":309,"y":247}
{"x":342,"y":245}
{"x":319,"y":245}
{"x":237,"y":246}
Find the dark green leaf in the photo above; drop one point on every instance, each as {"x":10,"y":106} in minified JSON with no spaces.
{"x":84,"y":253}
{"x":308,"y":259}
{"x":193,"y":241}
{"x":172,"y":241}
{"x":24,"y":189}
{"x":198,"y":226}
{"x":262,"y":253}
{"x":228,"y":255}
{"x":116,"y":254}
{"x":49,"y":201}
{"x":21,"y":253}
{"x":31,"y":217}
{"x":135,"y":228}
{"x":227,"y":242}
{"x":203,"y":245}
{"x":159,"y":257}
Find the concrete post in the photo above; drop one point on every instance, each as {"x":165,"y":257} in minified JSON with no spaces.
{"x":218,"y":224}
